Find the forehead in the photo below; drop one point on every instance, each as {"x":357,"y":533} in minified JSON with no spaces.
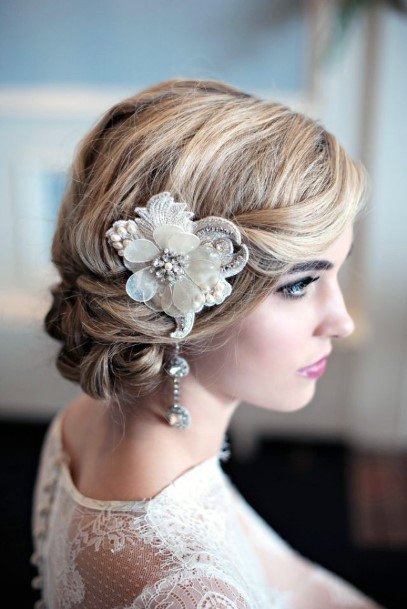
{"x":342,"y":244}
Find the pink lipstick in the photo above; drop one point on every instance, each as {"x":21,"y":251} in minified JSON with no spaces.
{"x":314,"y":370}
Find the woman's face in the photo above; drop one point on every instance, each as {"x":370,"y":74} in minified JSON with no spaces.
{"x":260,"y":363}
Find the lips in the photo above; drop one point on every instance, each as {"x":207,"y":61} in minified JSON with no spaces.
{"x":317,"y":362}
{"x":314,"y":370}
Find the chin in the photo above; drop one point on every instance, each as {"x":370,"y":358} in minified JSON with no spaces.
{"x":288,"y":405}
{"x":298,"y":401}
{"x":307,"y":398}
{"x":297,"y":406}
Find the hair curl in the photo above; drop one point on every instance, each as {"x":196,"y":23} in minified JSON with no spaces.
{"x":282,"y":178}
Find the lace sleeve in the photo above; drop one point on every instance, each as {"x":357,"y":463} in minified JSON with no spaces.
{"x":200,"y":589}
{"x":302,"y":582}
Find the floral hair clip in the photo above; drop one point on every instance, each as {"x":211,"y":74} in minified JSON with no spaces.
{"x":178,"y":265}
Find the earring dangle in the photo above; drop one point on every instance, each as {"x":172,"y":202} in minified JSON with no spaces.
{"x":177,"y":415}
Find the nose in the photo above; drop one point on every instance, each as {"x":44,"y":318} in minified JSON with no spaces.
{"x":336,"y":321}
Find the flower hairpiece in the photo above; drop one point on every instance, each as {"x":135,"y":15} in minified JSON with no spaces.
{"x":178,"y":265}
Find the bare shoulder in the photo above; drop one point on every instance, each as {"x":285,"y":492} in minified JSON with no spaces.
{"x":77,"y":416}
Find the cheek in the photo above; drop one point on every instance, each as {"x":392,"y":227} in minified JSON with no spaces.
{"x":268,"y":355}
{"x":273,"y":343}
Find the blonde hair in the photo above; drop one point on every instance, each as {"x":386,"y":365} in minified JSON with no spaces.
{"x":282,"y":178}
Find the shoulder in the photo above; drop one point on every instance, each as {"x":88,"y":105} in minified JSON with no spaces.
{"x":75,"y":418}
{"x":199,"y":587}
{"x":75,"y":426}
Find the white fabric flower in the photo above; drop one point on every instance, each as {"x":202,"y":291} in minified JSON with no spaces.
{"x":180,"y":275}
{"x":178,"y":265}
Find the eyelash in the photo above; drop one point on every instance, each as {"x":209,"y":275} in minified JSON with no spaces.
{"x":285,"y":289}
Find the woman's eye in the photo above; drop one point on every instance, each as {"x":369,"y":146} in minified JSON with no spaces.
{"x":296,"y":289}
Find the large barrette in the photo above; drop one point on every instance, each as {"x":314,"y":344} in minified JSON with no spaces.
{"x":178,"y":265}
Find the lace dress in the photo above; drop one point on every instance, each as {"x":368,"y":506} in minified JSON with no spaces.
{"x":196,"y":545}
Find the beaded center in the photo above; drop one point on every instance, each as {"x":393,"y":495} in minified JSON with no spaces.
{"x":169,"y":266}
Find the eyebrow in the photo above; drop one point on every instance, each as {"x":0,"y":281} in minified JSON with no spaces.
{"x":315,"y":265}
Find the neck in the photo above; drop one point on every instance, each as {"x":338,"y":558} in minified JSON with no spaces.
{"x":143,"y":429}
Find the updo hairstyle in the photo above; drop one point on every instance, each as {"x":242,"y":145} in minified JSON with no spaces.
{"x":277,"y":174}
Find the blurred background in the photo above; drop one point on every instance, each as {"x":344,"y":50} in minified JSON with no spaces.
{"x":331,"y":478}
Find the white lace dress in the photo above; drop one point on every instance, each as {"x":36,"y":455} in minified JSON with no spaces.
{"x":196,"y":545}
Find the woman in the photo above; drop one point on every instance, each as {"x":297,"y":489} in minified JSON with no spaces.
{"x":131,"y":505}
